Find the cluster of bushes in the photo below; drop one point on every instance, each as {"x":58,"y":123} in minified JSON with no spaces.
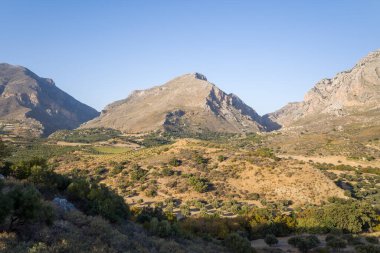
{"x":89,"y":135}
{"x":95,"y":199}
{"x":344,"y":167}
{"x":265,"y":152}
{"x":36,"y":148}
{"x":349,"y":216}
{"x":154,"y":140}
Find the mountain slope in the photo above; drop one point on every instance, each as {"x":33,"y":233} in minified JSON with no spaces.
{"x":186,"y":103}
{"x":347,"y":96}
{"x":34,"y":105}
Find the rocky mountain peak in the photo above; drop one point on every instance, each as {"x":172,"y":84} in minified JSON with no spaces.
{"x":188,"y":102}
{"x":200,"y":76}
{"x":349,"y":92}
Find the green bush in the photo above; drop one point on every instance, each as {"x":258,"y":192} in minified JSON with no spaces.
{"x":23,"y":204}
{"x":137,"y":173}
{"x":222,"y":158}
{"x":199,"y":184}
{"x":337,"y":243}
{"x":270,"y":239}
{"x":162,"y":228}
{"x":304,"y":243}
{"x":175,"y":162}
{"x":238,"y":244}
{"x":98,"y":200}
{"x":167,"y":172}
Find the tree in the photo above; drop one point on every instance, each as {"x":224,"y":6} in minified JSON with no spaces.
{"x":27,"y":206}
{"x":270,"y":239}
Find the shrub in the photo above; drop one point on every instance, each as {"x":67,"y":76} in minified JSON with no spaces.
{"x":167,"y":172}
{"x":137,"y":173}
{"x":5,"y":206}
{"x":146,"y":214}
{"x":270,"y":239}
{"x":304,"y":243}
{"x":98,"y":200}
{"x":367,"y":249}
{"x":265,"y":152}
{"x":175,"y":162}
{"x":199,"y":184}
{"x":337,"y":243}
{"x":161,"y":228}
{"x":151,"y":192}
{"x":117,"y":169}
{"x":222,"y":158}
{"x":238,"y":244}
{"x":23,"y":169}
{"x":201,"y":160}
{"x":25,"y":205}
{"x":253,"y":196}
{"x":373,"y":240}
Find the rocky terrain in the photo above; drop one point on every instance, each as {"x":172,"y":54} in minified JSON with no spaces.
{"x":350,"y":97}
{"x":31,"y":105}
{"x":187,"y":103}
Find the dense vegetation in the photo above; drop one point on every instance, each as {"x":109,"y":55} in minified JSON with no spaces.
{"x":31,"y":184}
{"x":85,"y":135}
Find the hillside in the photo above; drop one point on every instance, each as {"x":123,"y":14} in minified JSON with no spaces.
{"x":31,"y":105}
{"x":188,"y":103}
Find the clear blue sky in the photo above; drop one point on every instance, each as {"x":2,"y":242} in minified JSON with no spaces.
{"x":267,"y":52}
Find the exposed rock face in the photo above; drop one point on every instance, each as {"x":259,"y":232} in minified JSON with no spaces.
{"x":356,"y":91}
{"x":188,"y":102}
{"x":63,"y":204}
{"x":34,"y":105}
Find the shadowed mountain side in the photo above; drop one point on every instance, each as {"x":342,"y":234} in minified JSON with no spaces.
{"x":36,"y":105}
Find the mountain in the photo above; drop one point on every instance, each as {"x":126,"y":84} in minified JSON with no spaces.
{"x":33,"y":105}
{"x":350,"y":97}
{"x":187,"y":103}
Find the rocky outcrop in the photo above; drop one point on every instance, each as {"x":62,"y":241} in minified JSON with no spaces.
{"x":188,"y":102}
{"x":33,"y":105}
{"x":356,"y":91}
{"x":63,"y":204}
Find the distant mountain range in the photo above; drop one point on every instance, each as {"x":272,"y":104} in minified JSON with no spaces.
{"x":189,"y":103}
{"x":31,"y":105}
